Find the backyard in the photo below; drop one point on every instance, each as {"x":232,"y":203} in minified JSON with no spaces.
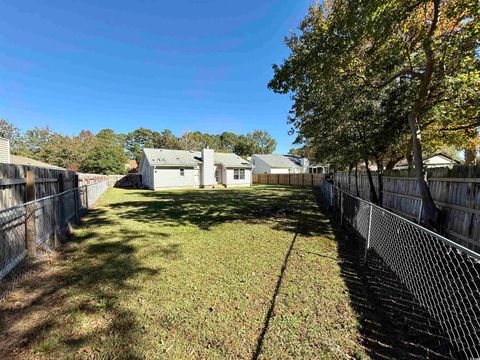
{"x":244,"y":273}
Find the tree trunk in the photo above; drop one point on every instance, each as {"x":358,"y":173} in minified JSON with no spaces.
{"x":430,"y":211}
{"x":373,"y":193}
{"x":356,"y":180}
{"x":350,"y":167}
{"x":470,"y":155}
{"x":409,"y":157}
{"x":392,"y":162}
{"x":380,"y":181}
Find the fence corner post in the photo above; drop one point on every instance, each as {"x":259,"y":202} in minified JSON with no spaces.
{"x":367,"y":245}
{"x":30,"y":231}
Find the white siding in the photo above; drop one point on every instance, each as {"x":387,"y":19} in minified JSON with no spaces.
{"x":279,"y":171}
{"x":260,"y":167}
{"x":170,"y":177}
{"x":4,"y":151}
{"x":147,"y":173}
{"x":230,"y":181}
{"x":438,"y":161}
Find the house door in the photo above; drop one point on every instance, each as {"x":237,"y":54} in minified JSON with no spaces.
{"x":218,"y":175}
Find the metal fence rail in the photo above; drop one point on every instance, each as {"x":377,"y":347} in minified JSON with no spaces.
{"x":34,"y":229}
{"x":442,"y":276}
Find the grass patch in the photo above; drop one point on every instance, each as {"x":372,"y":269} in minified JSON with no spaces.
{"x":191,"y":274}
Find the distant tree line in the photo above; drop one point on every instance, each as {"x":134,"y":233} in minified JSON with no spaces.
{"x":377,"y":81}
{"x":107,"y":152}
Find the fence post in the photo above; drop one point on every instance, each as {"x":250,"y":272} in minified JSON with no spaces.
{"x":331,"y":197}
{"x":419,"y":218}
{"x":56,"y":232}
{"x":76,"y":201}
{"x":367,"y":245}
{"x":30,"y":231}
{"x":341,"y":207}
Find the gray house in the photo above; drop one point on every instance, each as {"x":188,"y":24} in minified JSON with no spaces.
{"x":163,"y":168}
{"x":285,"y":164}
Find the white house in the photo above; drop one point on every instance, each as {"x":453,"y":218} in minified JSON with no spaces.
{"x":433,"y":161}
{"x":162,"y":168}
{"x":285,"y":164}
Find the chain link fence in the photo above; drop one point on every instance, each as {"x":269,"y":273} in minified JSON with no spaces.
{"x":440,"y":277}
{"x":30,"y":232}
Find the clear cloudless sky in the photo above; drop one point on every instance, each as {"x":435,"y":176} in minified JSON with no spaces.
{"x":179,"y":65}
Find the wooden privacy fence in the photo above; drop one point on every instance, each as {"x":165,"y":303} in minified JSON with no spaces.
{"x":288,"y":179}
{"x":457,"y":196}
{"x":13,"y":182}
{"x":132,"y":180}
{"x":35,"y":228}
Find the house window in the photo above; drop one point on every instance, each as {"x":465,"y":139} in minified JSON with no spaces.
{"x":182,"y":172}
{"x":239,"y":174}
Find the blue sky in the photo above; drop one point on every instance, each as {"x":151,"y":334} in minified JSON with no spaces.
{"x":179,"y":65}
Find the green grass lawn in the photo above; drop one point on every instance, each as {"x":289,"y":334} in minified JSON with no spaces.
{"x":190,"y":274}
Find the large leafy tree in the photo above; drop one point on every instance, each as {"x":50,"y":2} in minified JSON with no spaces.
{"x":9,"y":131}
{"x":421,"y":53}
{"x":106,"y":155}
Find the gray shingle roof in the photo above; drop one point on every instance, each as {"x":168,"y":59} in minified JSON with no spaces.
{"x":166,"y":157}
{"x":279,"y":161}
{"x":22,"y":160}
{"x":231,"y":160}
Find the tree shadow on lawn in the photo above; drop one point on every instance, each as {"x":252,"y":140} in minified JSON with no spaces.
{"x":393,"y":325}
{"x":46,"y":310}
{"x":208,"y":208}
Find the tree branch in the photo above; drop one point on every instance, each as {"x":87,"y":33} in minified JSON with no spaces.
{"x":463,"y":127}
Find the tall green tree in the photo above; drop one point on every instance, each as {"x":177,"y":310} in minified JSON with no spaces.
{"x":425,"y":52}
{"x":106,"y":154}
{"x":9,"y":131}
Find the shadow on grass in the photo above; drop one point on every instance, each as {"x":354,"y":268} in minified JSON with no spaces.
{"x":208,"y":208}
{"x":89,"y":275}
{"x":393,"y":325}
{"x":93,"y":273}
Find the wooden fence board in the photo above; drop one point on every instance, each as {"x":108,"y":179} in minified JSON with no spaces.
{"x":13,"y":182}
{"x":457,"y":197}
{"x":288,"y":179}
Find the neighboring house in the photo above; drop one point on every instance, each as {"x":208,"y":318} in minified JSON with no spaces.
{"x":162,"y":168}
{"x":22,"y":160}
{"x":433,"y":161}
{"x":285,"y":164}
{"x":7,"y":158}
{"x":4,"y":151}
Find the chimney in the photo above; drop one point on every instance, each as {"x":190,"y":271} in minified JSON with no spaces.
{"x":4,"y":151}
{"x":207,"y":171}
{"x":304,"y":162}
